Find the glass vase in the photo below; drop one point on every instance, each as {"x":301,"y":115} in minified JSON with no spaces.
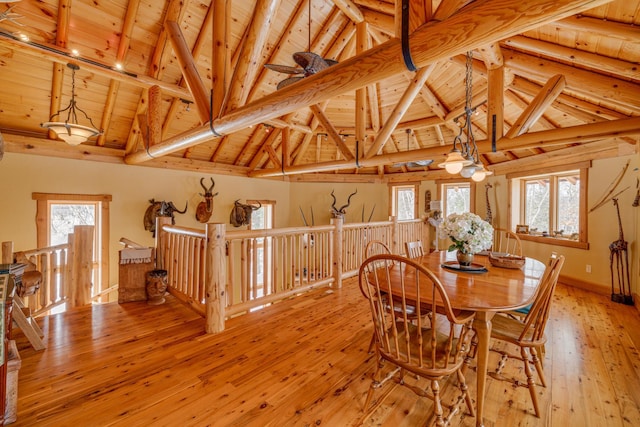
{"x":464,"y":259}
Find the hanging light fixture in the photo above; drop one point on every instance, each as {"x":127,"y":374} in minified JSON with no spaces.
{"x":464,"y":157}
{"x":69,"y":130}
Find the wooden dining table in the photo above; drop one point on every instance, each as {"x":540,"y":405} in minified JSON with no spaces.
{"x":486,"y":293}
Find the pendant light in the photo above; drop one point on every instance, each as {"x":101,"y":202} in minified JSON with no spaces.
{"x":70,"y":130}
{"x":464,"y":157}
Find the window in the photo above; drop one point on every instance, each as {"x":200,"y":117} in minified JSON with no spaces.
{"x":262,"y":219}
{"x":551,"y":204}
{"x":57,"y":214}
{"x":404,"y":201}
{"x":457,"y":197}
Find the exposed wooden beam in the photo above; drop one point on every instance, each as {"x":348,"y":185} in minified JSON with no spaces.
{"x":250,"y":60}
{"x":448,"y":8}
{"x":268,"y":141}
{"x":219,"y":14}
{"x":543,"y":99}
{"x":362,"y":44}
{"x":608,"y":89}
{"x":331,"y":131}
{"x":589,"y":110}
{"x":432,"y":42}
{"x":381,"y":21}
{"x":58,"y":68}
{"x":577,"y":134}
{"x":114,"y":85}
{"x":294,"y":20}
{"x":190,"y":72}
{"x":377,"y":5}
{"x":350,"y":9}
{"x":518,"y":100}
{"x":575,"y":57}
{"x":154,"y":115}
{"x":401,"y":107}
{"x":599,"y":27}
{"x":495,"y":102}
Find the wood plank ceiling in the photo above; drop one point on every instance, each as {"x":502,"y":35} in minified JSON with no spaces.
{"x":561,"y":78}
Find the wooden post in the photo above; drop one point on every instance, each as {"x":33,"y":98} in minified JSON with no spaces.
{"x":216,"y":278}
{"x":337,"y":251}
{"x":82,"y":265}
{"x":161,"y":241}
{"x":394,"y":235}
{"x":426,"y":236}
{"x":7,"y":252}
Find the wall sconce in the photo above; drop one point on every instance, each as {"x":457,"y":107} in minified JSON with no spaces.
{"x":70,"y":131}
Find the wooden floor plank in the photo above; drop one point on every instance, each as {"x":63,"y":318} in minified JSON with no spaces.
{"x":304,"y":362}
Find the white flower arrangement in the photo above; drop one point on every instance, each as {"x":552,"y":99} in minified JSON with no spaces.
{"x":468,"y":232}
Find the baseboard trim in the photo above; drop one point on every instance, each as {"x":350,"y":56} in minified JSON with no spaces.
{"x":593,"y":287}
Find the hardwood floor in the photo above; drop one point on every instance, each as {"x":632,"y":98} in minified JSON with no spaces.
{"x":303,"y":362}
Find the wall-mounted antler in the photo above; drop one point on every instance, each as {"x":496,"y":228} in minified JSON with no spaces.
{"x":339,"y":213}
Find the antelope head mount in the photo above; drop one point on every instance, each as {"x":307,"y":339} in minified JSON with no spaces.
{"x":339,"y":212}
{"x":205,"y":207}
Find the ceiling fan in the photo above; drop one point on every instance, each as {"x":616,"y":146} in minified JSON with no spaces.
{"x":308,"y":63}
{"x":413,"y":163}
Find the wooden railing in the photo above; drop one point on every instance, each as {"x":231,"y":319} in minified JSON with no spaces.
{"x":66,"y":271}
{"x":224,"y":273}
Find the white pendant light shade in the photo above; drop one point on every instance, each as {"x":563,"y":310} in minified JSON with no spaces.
{"x":71,"y":133}
{"x":468,"y":171}
{"x":480,"y":173}
{"x":454,"y":162}
{"x":69,"y":130}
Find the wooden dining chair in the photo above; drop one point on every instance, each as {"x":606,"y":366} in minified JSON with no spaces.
{"x":506,"y":242}
{"x":375,"y":247}
{"x":430,"y":350}
{"x":528,"y":334}
{"x":414,"y":249}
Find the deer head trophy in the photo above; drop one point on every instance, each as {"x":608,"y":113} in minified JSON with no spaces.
{"x":205,"y":207}
{"x":339,"y":213}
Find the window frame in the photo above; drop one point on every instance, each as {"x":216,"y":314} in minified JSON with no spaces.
{"x":101,"y":241}
{"x":393,"y":196}
{"x":516,"y":182}
{"x":272,"y":215}
{"x":442,"y":183}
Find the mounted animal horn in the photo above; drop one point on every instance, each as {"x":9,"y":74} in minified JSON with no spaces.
{"x":339,"y":213}
{"x":205,"y":207}
{"x":160,"y":208}
{"x":241,"y":213}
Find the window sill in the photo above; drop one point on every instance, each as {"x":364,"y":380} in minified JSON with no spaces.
{"x":554,"y":241}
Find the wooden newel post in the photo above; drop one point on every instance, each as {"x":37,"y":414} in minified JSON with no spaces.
{"x":425,"y":236}
{"x":7,"y":252}
{"x":337,"y":251}
{"x":394,"y":236}
{"x":161,"y":240}
{"x":81,"y":246}
{"x":216,"y":280}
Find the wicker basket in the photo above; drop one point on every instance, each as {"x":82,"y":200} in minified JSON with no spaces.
{"x":506,"y":261}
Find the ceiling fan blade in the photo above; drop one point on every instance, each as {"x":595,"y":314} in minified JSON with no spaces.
{"x":287,"y":82}
{"x":312,"y":62}
{"x":284,"y":69}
